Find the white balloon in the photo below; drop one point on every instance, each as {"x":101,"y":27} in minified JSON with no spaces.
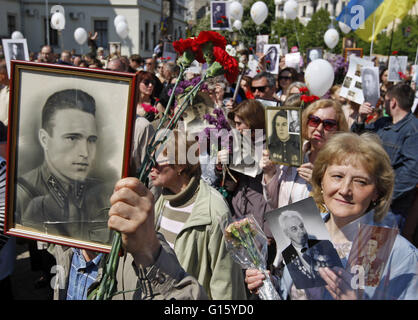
{"x":331,"y":38}
{"x":291,"y":9}
{"x":278,"y":2}
{"x":58,"y":21}
{"x":17,"y":35}
{"x":237,"y":24}
{"x":119,"y":18}
{"x":80,"y":36}
{"x":344,"y":27}
{"x":259,"y":12}
{"x":236,"y":10}
{"x":122,"y":29}
{"x":319,"y":77}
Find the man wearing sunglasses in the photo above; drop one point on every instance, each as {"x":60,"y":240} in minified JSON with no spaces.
{"x":263,"y":86}
{"x":399,"y":135}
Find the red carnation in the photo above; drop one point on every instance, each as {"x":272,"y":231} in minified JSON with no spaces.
{"x":229,"y":64}
{"x":304,"y":98}
{"x":219,"y":21}
{"x":183,"y":45}
{"x":394,"y":53}
{"x":149,"y":108}
{"x":402,"y":75}
{"x":223,"y":17}
{"x":303,"y":90}
{"x":211,"y":36}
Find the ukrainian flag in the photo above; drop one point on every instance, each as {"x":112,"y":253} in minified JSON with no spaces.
{"x":376,"y":12}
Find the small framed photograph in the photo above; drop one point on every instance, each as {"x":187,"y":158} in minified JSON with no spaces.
{"x":15,"y":49}
{"x":306,"y":250}
{"x":284,"y":140}
{"x":349,"y":43}
{"x":168,"y":51}
{"x":283,"y":45}
{"x":219,"y":15}
{"x":370,"y":252}
{"x":272,"y":57}
{"x":313,"y":54}
{"x":70,"y":143}
{"x":114,"y":48}
{"x":261,"y":40}
{"x":370,"y":84}
{"x":358,"y":52}
{"x":397,"y":65}
{"x":193,"y":116}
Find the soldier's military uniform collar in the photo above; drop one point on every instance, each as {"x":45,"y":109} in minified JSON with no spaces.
{"x":61,"y":190}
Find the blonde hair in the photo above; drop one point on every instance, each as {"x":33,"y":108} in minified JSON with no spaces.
{"x":347,"y":147}
{"x":322,"y":104}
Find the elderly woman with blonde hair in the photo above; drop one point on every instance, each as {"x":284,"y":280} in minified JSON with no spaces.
{"x":353,"y":180}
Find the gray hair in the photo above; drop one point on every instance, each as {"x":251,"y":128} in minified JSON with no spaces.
{"x":271,"y":80}
{"x":288,"y":214}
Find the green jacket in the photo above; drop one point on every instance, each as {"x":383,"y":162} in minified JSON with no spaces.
{"x":200,"y":246}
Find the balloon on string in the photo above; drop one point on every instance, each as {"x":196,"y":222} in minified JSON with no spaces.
{"x":122,"y":29}
{"x":291,"y":9}
{"x":344,"y":27}
{"x":80,"y":35}
{"x":119,"y":18}
{"x":259,"y":12}
{"x":331,"y":38}
{"x":237,"y":24}
{"x":319,"y":77}
{"x":58,"y":21}
{"x":17,"y":35}
{"x":236,"y":10}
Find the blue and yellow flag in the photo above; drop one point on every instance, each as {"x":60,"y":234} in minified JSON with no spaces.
{"x":361,"y":15}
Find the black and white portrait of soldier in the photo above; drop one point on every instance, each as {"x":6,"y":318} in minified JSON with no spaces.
{"x":397,"y":65}
{"x":272,"y":58}
{"x":194,"y":115}
{"x":219,"y":18}
{"x":370,"y":84}
{"x":294,"y":122}
{"x":305,"y":255}
{"x":261,"y":40}
{"x":16,"y":51}
{"x":283,"y":146}
{"x":59,"y":197}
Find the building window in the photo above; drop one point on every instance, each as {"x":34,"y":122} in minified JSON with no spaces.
{"x":100,"y":26}
{"x":154,"y":35}
{"x":53,"y":34}
{"x":304,"y":11}
{"x":326,"y":6}
{"x":142,"y":39}
{"x":11,"y":23}
{"x":180,"y":33}
{"x":146,"y":36}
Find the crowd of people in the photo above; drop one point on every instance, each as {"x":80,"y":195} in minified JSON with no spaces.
{"x":359,"y":163}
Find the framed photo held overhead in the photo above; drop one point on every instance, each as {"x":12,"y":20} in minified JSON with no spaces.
{"x":219,"y":15}
{"x":15,"y":49}
{"x":313,"y":54}
{"x":284,"y":139}
{"x":70,"y":142}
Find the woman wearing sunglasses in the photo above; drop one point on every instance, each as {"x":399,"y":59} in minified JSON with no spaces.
{"x":148,"y":87}
{"x":286,"y":77}
{"x":282,"y":184}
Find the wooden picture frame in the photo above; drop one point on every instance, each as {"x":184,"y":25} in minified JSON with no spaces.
{"x":285,"y":146}
{"x":69,"y":143}
{"x":356,"y":51}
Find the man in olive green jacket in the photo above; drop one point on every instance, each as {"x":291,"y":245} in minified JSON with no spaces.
{"x":200,"y":246}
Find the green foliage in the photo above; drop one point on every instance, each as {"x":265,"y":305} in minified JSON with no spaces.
{"x":249,"y":29}
{"x":286,"y":28}
{"x":313,"y":34}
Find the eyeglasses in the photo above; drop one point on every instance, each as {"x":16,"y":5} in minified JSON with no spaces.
{"x":261,"y":89}
{"x":160,"y":167}
{"x":285,"y":78}
{"x":329,"y":124}
{"x":147,"y":82}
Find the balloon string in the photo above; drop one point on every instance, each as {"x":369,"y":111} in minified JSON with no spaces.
{"x":297,"y":36}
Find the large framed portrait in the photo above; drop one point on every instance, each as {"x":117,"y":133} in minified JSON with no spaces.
{"x":284,"y":139}
{"x":219,"y":15}
{"x":15,"y":49}
{"x":70,"y":135}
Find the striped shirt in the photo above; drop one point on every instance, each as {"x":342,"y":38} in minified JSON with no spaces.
{"x":177,"y":210}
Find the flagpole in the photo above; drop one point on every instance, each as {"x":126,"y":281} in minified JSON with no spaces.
{"x":374,"y":23}
{"x":416,"y":56}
